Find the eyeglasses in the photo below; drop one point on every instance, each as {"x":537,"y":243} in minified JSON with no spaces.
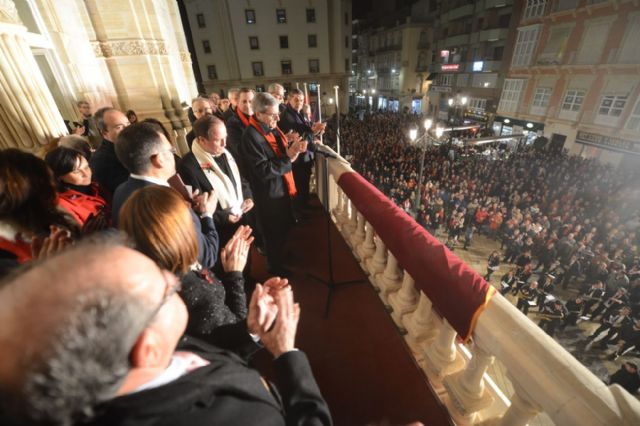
{"x":169,"y":290}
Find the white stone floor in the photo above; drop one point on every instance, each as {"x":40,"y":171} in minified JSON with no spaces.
{"x":572,"y":339}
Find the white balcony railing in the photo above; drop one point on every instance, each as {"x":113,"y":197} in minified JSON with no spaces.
{"x":545,"y":378}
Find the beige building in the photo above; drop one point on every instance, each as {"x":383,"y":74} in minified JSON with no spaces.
{"x":574,"y":77}
{"x":256,"y":43}
{"x":131,"y":55}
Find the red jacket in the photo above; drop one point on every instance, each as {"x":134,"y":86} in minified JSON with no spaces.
{"x":80,"y":205}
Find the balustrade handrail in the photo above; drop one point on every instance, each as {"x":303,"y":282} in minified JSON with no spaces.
{"x":544,"y":374}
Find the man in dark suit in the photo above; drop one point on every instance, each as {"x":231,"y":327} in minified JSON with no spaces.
{"x":210,"y":167}
{"x":200,"y":108}
{"x":107,"y":170}
{"x":237,"y":121}
{"x":150,"y":158}
{"x":233,"y":103}
{"x":109,"y":350}
{"x":293,"y":119}
{"x":267,"y":156}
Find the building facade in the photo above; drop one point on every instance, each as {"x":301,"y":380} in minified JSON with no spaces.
{"x":470,"y":57}
{"x":130,"y":55}
{"x":574,"y":74}
{"x":256,"y":43}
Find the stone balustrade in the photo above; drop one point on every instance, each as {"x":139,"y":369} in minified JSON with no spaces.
{"x":544,"y":376}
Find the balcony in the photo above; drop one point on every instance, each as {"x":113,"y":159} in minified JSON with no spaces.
{"x":493,"y":34}
{"x":456,"y":40}
{"x":389,"y":47}
{"x":459,"y":12}
{"x":440,"y":302}
{"x":489,"y":4}
{"x":486,"y":66}
{"x":565,"y":5}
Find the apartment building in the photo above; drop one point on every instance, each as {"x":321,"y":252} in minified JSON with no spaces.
{"x":470,"y":57}
{"x":574,"y":77}
{"x":255,"y":43}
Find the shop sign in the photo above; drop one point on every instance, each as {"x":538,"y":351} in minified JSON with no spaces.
{"x":440,"y":89}
{"x":608,"y":142}
{"x":450,"y":67}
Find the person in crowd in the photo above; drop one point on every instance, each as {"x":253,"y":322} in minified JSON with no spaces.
{"x":493,"y":264}
{"x":238,"y":121}
{"x":158,"y":221}
{"x":573,"y":271}
{"x":78,"y":195}
{"x":31,"y":226}
{"x":277,"y":91}
{"x":612,"y":324}
{"x":200,"y":108}
{"x":268,"y":156}
{"x":627,"y":377}
{"x":87,"y":127}
{"x":109,"y":349}
{"x":293,"y":120}
{"x":150,"y":158}
{"x":527,"y":296}
{"x":233,"y":94}
{"x":508,"y":281}
{"x":574,"y":311}
{"x":551,"y":316}
{"x":627,"y":339}
{"x":546,"y":288}
{"x":209,"y":167}
{"x":132,"y":116}
{"x":468,"y":235}
{"x":107,"y":169}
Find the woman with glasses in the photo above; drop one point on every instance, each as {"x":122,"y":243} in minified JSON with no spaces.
{"x":158,"y":221}
{"x":77,"y":194}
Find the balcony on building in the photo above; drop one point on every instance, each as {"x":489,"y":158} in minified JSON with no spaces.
{"x":493,"y":34}
{"x":457,"y":40}
{"x":491,"y":4}
{"x":565,"y":6}
{"x":461,"y":11}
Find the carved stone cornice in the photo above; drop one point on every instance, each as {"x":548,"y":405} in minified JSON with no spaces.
{"x":129,"y":47}
{"x":185,"y":56}
{"x":9,"y":13}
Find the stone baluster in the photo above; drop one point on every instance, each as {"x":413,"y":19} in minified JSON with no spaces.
{"x":404,"y":300}
{"x":419,"y":324}
{"x":466,"y":388}
{"x":368,"y":247}
{"x":338,"y":209}
{"x":441,"y":357}
{"x":344,"y":213}
{"x":522,"y":408}
{"x":375,"y":264}
{"x":358,"y":237}
{"x":349,"y":226}
{"x":389,"y":281}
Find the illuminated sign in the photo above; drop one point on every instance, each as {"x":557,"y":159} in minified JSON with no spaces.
{"x":450,"y":67}
{"x":608,"y":142}
{"x":444,"y":53}
{"x":478,"y":65}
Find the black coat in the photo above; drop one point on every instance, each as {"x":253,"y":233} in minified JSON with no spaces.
{"x":107,"y":170}
{"x":225,"y":392}
{"x":290,"y":119}
{"x":235,"y":129}
{"x":208,"y":240}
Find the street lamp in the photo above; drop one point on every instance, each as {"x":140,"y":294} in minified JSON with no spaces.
{"x":373,"y":91}
{"x":423,"y":141}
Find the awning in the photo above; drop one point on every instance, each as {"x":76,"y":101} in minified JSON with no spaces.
{"x":491,"y":139}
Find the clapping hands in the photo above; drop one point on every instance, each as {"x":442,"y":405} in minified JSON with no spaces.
{"x":234,"y":254}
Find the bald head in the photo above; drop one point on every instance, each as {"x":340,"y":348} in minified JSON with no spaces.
{"x":69,"y":325}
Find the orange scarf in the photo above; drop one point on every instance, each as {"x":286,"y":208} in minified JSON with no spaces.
{"x":243,"y":118}
{"x":271,"y":139}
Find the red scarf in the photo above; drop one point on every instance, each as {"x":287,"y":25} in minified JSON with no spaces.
{"x":21,"y":249}
{"x":271,"y":138}
{"x":242,"y":117}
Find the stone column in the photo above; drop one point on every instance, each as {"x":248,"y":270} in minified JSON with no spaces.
{"x":29,"y":116}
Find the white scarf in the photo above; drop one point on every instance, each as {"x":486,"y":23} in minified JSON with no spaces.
{"x":229,"y":196}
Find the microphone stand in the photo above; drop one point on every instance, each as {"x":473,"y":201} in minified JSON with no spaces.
{"x":330,"y":282}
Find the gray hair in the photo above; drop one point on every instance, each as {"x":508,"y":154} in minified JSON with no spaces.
{"x":233,"y":90}
{"x":99,"y":118}
{"x":199,"y":99}
{"x":262,"y":101}
{"x":275,"y":86}
{"x":136,"y":145}
{"x":85,"y":358}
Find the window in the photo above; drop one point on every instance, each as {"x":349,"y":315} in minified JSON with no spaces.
{"x":444,"y":80}
{"x":346,"y":19}
{"x":498,"y":53}
{"x":630,"y":50}
{"x":511,"y":92}
{"x":200,"y":19}
{"x":284,"y":42}
{"x":260,"y":88}
{"x":311,"y":15}
{"x":250,"y":16}
{"x":285,"y":66}
{"x":206,"y":46}
{"x":480,"y":24}
{"x":346,"y":42}
{"x":477,"y":105}
{"x":525,"y":45}
{"x":281,"y":16}
{"x":312,"y":40}
{"x":314,"y":66}
{"x":504,"y":20}
{"x":555,"y":45}
{"x":573,"y":100}
{"x":634,"y":118}
{"x":594,"y":39}
{"x":541,"y":97}
{"x":534,"y":9}
{"x":612,"y":105}
{"x":347,"y":65}
{"x":257,"y":69}
{"x":213,"y":74}
{"x":254,"y":44}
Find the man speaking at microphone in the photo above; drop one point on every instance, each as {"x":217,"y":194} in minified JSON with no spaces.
{"x":268,"y":156}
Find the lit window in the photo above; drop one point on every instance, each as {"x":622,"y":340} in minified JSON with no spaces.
{"x":281,"y":16}
{"x":250,"y":16}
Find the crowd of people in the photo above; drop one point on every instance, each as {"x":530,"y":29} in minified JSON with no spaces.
{"x":560,"y":220}
{"x":132,"y":281}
